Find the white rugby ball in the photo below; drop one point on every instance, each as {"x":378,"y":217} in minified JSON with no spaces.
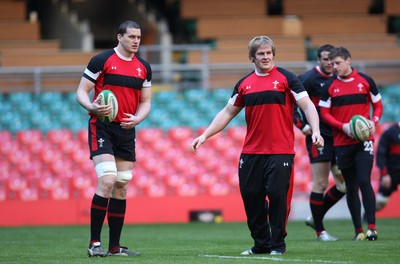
{"x":106,"y":97}
{"x":359,"y":128}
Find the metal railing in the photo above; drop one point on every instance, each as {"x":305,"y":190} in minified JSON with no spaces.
{"x":178,"y":75}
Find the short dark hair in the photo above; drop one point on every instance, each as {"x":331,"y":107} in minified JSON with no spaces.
{"x":123,"y":27}
{"x":326,"y":47}
{"x":340,"y":52}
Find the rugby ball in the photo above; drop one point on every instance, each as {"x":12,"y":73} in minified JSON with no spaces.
{"x":106,"y":97}
{"x":359,"y":128}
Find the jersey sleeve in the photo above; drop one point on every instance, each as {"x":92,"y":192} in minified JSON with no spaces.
{"x":95,"y":67}
{"x":149,"y":73}
{"x":236,"y":99}
{"x":325,"y":106}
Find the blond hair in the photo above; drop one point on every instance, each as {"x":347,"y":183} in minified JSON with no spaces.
{"x":258,"y":41}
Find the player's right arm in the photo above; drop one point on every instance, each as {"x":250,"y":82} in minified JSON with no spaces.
{"x":82,"y":96}
{"x":220,"y":121}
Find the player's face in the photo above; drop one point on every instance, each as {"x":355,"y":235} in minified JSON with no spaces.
{"x":264,"y":59}
{"x":324,"y":63}
{"x":341,"y":66}
{"x":130,"y":41}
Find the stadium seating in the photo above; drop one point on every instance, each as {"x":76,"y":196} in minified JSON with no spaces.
{"x":52,"y":162}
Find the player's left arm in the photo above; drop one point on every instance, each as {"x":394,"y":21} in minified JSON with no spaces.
{"x":376,"y":101}
{"x":307,"y":106}
{"x":132,"y":120}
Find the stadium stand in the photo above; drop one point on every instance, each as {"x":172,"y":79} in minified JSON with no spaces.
{"x":392,"y":7}
{"x":190,"y":9}
{"x":312,"y":7}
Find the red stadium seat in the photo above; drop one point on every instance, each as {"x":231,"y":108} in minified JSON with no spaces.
{"x":219,"y":188}
{"x":31,"y":165}
{"x":144,"y":180}
{"x":5,"y":166}
{"x":38,"y":146}
{"x":59,"y":136}
{"x":59,"y":193}
{"x":237,"y":133}
{"x":49,"y":155}
{"x":187,"y":189}
{"x":58,"y":166}
{"x":148,"y":135}
{"x":18,"y":156}
{"x":222,"y":143}
{"x":46,"y":184}
{"x":173,"y":153}
{"x":233,"y":180}
{"x":85,"y":166}
{"x":88,"y":193}
{"x":231,"y":153}
{"x":8,"y":146}
{"x":27,"y":137}
{"x":81,"y":154}
{"x":150,"y":164}
{"x":133,"y":191}
{"x":206,"y":179}
{"x":180,"y":133}
{"x":6,"y":135}
{"x":161,"y":145}
{"x":82,"y":136}
{"x":225,"y":169}
{"x":156,"y":190}
{"x":181,"y":163}
{"x":174,"y":180}
{"x":78,"y":184}
{"x":212,"y":163}
{"x":15,"y":185}
{"x":3,"y":193}
{"x":71,"y":146}
{"x":184,"y":144}
{"x":28,"y":194}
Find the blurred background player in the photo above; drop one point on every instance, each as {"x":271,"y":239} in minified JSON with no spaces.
{"x":268,"y":95}
{"x":388,"y":161}
{"x":322,"y":159}
{"x":112,"y":145}
{"x":352,"y":93}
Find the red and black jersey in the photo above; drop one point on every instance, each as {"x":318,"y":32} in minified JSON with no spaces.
{"x":269,"y":103}
{"x":313,"y":81}
{"x":125,"y":77}
{"x":342,"y":98}
{"x":388,"y":153}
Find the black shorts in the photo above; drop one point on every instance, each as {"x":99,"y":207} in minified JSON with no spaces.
{"x":111,"y":139}
{"x":322,"y":154}
{"x":349,"y":156}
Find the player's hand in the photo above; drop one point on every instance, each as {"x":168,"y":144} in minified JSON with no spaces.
{"x":371,"y":126}
{"x":346,"y":130}
{"x":196,"y":143}
{"x":99,"y":109}
{"x":386,"y":181}
{"x":317,"y":140}
{"x":130,"y":121}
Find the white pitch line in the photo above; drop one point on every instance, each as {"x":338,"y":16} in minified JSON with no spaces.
{"x":276,"y":259}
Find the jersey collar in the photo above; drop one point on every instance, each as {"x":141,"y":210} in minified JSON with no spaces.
{"x":122,"y":57}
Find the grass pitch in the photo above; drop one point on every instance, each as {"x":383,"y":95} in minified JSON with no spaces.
{"x":199,"y":243}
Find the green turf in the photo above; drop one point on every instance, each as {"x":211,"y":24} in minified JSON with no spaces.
{"x":200,"y":243}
